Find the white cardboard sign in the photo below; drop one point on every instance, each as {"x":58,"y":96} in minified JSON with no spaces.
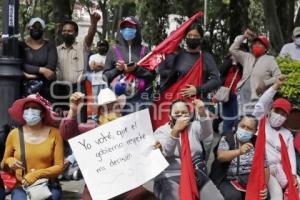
{"x":118,"y":156}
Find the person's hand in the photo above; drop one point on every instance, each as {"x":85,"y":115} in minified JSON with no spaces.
{"x":66,"y":164}
{"x":95,"y":17}
{"x":245,"y":148}
{"x":30,"y":76}
{"x":130,"y":69}
{"x":76,"y":100}
{"x":120,"y":65}
{"x":296,"y":182}
{"x":264,"y":193}
{"x":180,"y":125}
{"x":189,"y":91}
{"x":157,"y":145}
{"x":200,"y":107}
{"x":260,"y":88}
{"x":47,"y":73}
{"x":98,"y":67}
{"x":16,"y":164}
{"x":24,"y":183}
{"x":248,"y":34}
{"x":279,"y":81}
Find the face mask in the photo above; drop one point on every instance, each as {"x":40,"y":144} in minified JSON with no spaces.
{"x":128,"y":33}
{"x":102,"y":50}
{"x":32,"y":116}
{"x":258,"y":50}
{"x":297,"y":41}
{"x":276,"y":120}
{"x":36,"y":34}
{"x":108,"y":117}
{"x":68,"y":39}
{"x":243,"y":135}
{"x":193,"y":43}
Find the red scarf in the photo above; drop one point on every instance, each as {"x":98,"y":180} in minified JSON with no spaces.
{"x":257,"y":182}
{"x":160,"y":110}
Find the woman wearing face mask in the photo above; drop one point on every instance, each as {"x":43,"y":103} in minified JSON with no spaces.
{"x":275,"y":137}
{"x":43,"y":146}
{"x":109,"y":109}
{"x":121,"y":71}
{"x":235,"y":154}
{"x":40,"y":59}
{"x":170,"y":183}
{"x":293,"y":49}
{"x":179,"y":64}
{"x":259,"y":69}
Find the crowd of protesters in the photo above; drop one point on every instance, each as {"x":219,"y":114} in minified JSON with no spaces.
{"x":59,"y":83}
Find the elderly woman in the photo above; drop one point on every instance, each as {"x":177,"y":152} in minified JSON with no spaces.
{"x":42,"y":143}
{"x":170,"y":136}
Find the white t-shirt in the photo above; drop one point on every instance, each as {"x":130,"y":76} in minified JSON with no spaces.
{"x":97,"y":77}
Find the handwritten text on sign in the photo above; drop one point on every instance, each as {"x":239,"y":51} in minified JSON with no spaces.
{"x":118,"y":156}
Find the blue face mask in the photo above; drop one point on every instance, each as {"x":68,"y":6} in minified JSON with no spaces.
{"x":243,"y":135}
{"x":128,"y":33}
{"x":32,"y":116}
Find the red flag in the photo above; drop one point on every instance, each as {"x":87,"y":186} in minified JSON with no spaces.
{"x":257,"y":181}
{"x":160,"y":109}
{"x":169,"y":45}
{"x":187,"y":186}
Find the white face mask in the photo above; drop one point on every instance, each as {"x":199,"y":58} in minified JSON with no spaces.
{"x":32,"y":116}
{"x":276,"y":120}
{"x":297,"y":41}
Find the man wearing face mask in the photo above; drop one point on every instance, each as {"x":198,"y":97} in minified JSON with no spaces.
{"x":96,"y":64}
{"x":276,"y":114}
{"x":235,"y":155}
{"x":293,"y":49}
{"x":40,"y":60}
{"x":259,"y":69}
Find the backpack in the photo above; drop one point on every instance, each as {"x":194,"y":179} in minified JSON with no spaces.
{"x":127,"y":84}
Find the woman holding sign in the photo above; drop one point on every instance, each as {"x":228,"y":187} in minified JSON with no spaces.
{"x":181,"y":145}
{"x":109,"y":110}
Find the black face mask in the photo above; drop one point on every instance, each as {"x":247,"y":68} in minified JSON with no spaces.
{"x":68,"y":38}
{"x":102,"y":50}
{"x":193,"y":43}
{"x":36,"y":34}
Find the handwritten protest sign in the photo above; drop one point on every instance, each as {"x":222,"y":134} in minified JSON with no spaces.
{"x":118,"y":156}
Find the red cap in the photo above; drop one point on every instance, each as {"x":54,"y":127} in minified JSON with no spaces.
{"x":263,"y":39}
{"x":128,"y":20}
{"x":282,"y":104}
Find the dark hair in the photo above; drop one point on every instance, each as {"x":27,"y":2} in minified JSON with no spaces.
{"x":102,"y":43}
{"x":195,"y":26}
{"x":252,"y":117}
{"x":74,"y":24}
{"x":178,"y":100}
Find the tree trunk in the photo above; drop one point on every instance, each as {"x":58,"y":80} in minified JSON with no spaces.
{"x":273,"y":25}
{"x":104,"y":10}
{"x":297,"y":22}
{"x":286,"y":11}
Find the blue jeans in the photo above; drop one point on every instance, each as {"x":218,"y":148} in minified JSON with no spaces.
{"x":20,"y":194}
{"x":230,"y":114}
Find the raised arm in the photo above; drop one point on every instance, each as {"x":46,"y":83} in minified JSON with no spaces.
{"x":95,"y":17}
